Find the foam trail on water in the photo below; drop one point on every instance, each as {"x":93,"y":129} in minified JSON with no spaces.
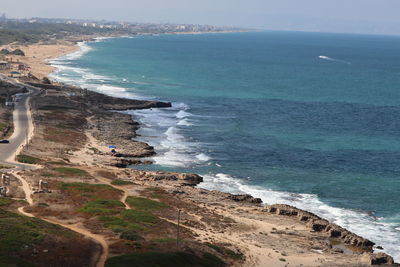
{"x":362,"y":223}
{"x":333,"y":59}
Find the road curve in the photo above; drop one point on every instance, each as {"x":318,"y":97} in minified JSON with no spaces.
{"x":23,"y":132}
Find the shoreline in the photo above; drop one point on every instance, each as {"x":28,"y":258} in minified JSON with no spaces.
{"x":287,"y":211}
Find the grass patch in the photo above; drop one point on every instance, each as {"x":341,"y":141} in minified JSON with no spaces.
{"x":71,"y":171}
{"x":87,"y":187}
{"x":138,"y":216}
{"x":141,"y":203}
{"x":57,"y":163}
{"x":121,"y":182}
{"x":120,"y":225}
{"x":129,"y":220}
{"x":215,"y":247}
{"x":16,"y":231}
{"x":226,"y":251}
{"x":27,"y":159}
{"x":51,"y":107}
{"x":165,"y":240}
{"x":158,"y":259}
{"x":102,"y":206}
{"x":5,"y":202}
{"x":2,"y":126}
{"x":6,"y":166}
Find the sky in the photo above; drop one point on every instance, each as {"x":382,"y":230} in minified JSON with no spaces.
{"x":357,"y":16}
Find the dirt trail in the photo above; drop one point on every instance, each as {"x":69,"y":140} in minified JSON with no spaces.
{"x":80,"y":229}
{"x":25,"y":187}
{"x":28,"y":193}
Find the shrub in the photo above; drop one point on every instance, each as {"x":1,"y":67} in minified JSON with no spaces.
{"x":121,"y":182}
{"x":27,"y":159}
{"x":130,"y":235}
{"x":71,"y":171}
{"x":141,"y":203}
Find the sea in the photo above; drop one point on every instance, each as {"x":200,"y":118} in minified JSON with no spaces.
{"x":306,"y":119}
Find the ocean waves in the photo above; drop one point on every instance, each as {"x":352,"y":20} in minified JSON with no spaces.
{"x":164,"y":129}
{"x":382,"y":231}
{"x":329,"y":141}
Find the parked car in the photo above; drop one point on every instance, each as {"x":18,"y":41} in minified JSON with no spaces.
{"x":4,"y":141}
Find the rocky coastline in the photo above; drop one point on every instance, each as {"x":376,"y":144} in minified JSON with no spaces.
{"x":73,"y":130}
{"x":110,"y":126}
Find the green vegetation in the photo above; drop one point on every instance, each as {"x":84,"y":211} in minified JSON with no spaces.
{"x":120,"y":225}
{"x":215,"y":247}
{"x":131,"y":235}
{"x":95,"y":188}
{"x":226,"y":251}
{"x":18,"y":231}
{"x":2,"y":166}
{"x":27,"y":159}
{"x":165,"y":240}
{"x":2,"y":126}
{"x":25,"y":32}
{"x":138,"y":216}
{"x":141,"y":203}
{"x":129,"y":220}
{"x":8,"y":36}
{"x":57,"y":163}
{"x":171,"y":259}
{"x":53,"y":107}
{"x":121,"y":182}
{"x":71,"y":171}
{"x":5,"y":202}
{"x":102,"y":206}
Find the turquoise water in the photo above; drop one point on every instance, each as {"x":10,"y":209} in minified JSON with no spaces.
{"x":308,"y":119}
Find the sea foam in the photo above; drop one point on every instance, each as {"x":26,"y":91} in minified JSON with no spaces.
{"x":361,"y":223}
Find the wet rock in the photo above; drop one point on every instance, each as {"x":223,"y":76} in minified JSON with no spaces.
{"x":318,"y":225}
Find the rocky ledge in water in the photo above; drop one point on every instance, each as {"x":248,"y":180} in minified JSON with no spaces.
{"x":319,"y":224}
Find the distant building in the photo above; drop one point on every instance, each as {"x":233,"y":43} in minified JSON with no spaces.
{"x":4,"y":65}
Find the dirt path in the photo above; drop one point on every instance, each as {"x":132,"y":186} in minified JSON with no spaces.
{"x":25,"y":187}
{"x":28,"y":192}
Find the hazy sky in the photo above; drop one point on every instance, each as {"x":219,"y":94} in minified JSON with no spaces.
{"x":363,"y":16}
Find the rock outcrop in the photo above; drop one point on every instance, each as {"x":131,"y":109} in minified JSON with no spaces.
{"x":377,"y":259}
{"x":189,"y":179}
{"x":246,"y":198}
{"x":318,"y":224}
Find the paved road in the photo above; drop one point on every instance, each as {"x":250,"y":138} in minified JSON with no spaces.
{"x":21,"y":129}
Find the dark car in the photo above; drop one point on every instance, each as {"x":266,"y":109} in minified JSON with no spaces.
{"x":4,"y":141}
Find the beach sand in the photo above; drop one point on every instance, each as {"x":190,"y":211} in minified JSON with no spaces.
{"x":38,"y":55}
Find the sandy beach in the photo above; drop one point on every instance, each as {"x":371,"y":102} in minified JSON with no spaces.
{"x":239,"y":229}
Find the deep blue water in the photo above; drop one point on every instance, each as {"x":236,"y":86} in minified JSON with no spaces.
{"x":308,"y":119}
